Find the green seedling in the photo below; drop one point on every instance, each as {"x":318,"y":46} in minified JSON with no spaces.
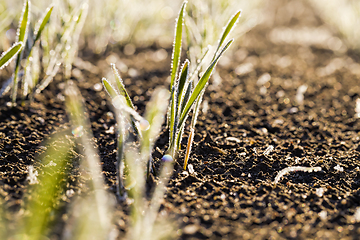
{"x":66,"y":46}
{"x":47,"y":192}
{"x":46,"y":185}
{"x":64,"y":52}
{"x":144,"y":215}
{"x":125,"y":110}
{"x":138,"y":159}
{"x":91,"y":214}
{"x":146,"y":128}
{"x":22,"y":37}
{"x":184,"y":98}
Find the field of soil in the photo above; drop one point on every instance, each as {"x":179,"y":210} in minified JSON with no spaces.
{"x":285,"y":87}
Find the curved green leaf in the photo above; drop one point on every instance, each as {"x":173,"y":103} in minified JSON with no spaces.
{"x":109,"y":88}
{"x":41,"y":26}
{"x":227,"y":30}
{"x":22,"y":30}
{"x":182,"y":80}
{"x":177,"y":45}
{"x":121,"y":87}
{"x":201,"y":85}
{"x":9,"y":55}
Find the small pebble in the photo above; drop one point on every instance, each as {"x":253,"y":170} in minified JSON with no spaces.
{"x":320,"y":192}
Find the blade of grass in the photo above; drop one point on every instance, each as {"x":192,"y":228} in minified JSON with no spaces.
{"x":200,"y":86}
{"x":9,"y":55}
{"x":154,"y":114}
{"x":177,"y":45}
{"x":91,"y":161}
{"x":114,"y":93}
{"x":182,"y":81}
{"x":38,"y":30}
{"x":176,"y":54}
{"x":24,"y":22}
{"x":227,"y":30}
{"x":121,"y":87}
{"x":40,"y":27}
{"x":20,"y":37}
{"x":180,"y":84}
{"x":199,"y":63}
{"x":46,"y":194}
{"x":62,"y":50}
{"x":183,"y":103}
{"x":109,"y":88}
{"x":71,"y":46}
{"x":192,"y":129}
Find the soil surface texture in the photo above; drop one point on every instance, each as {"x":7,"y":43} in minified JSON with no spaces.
{"x":285,"y":99}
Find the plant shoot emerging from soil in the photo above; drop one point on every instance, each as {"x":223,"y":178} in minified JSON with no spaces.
{"x":184,"y":97}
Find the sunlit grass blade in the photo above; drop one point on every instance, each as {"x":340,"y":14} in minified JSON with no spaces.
{"x":183,"y":103}
{"x":121,"y":91}
{"x":46,"y":193}
{"x":177,"y":45}
{"x":178,"y":92}
{"x":201,"y":85}
{"x":9,"y":55}
{"x":20,"y":37}
{"x":176,"y":54}
{"x":24,"y":22}
{"x":109,"y":88}
{"x":72,"y":44}
{"x":39,"y":28}
{"x":154,"y":115}
{"x":186,"y":96}
{"x":121,"y":87}
{"x":227,"y":30}
{"x":28,"y":82}
{"x":90,"y":165}
{"x":199,"y":64}
{"x":182,"y":81}
{"x":192,"y":129}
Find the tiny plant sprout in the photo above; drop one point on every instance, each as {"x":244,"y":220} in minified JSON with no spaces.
{"x":184,"y":96}
{"x":25,"y":43}
{"x":146,"y":128}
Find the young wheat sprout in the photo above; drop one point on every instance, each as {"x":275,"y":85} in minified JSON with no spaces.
{"x":295,"y":169}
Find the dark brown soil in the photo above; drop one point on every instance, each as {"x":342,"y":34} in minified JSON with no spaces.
{"x":231,"y":194}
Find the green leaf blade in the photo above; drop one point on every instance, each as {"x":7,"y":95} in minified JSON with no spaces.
{"x":22,"y":30}
{"x":228,"y":29}
{"x":10,"y":54}
{"x":182,"y":80}
{"x":41,"y":26}
{"x":121,"y":87}
{"x":109,"y":88}
{"x":201,"y":85}
{"x":174,"y":69}
{"x":177,"y":44}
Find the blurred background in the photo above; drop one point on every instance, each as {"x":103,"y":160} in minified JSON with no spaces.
{"x":145,"y":23}
{"x":138,"y":24}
